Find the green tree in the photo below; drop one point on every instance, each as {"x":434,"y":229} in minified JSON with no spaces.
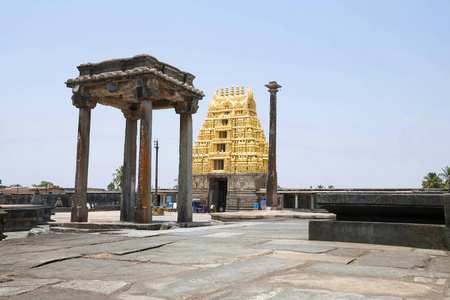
{"x":44,"y":184}
{"x":320,"y":186}
{"x":432,"y":181}
{"x":118,"y":177}
{"x":331,"y":186}
{"x":111,"y":186}
{"x":445,"y":174}
{"x":15,"y":185}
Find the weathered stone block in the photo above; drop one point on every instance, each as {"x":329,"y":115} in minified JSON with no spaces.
{"x":401,"y":208}
{"x":397,"y":234}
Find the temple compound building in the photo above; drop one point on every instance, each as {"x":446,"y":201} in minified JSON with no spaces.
{"x":230,"y":156}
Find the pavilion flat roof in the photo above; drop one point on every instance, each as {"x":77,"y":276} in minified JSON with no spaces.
{"x":134,"y":67}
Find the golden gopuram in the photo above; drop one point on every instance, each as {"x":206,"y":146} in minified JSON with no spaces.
{"x":230,"y":156}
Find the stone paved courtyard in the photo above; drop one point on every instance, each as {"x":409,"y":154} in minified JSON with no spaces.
{"x":263,"y":259}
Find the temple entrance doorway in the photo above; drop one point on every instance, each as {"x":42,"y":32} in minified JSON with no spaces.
{"x":289,"y":201}
{"x":218,"y":189}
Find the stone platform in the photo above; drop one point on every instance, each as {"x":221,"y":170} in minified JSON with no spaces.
{"x":25,"y":216}
{"x":260,"y":259}
{"x":413,"y":220}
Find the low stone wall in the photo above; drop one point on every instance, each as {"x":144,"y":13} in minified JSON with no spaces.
{"x":396,"y":234}
{"x":100,"y":199}
{"x":48,"y":199}
{"x":418,"y":220}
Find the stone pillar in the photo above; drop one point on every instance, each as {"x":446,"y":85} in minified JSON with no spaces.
{"x":129,"y":167}
{"x":296,"y":201}
{"x":447,"y":210}
{"x":79,"y":208}
{"x":185,"y":169}
{"x":143,"y":210}
{"x":272,"y":185}
{"x":3,"y":215}
{"x":312,"y":202}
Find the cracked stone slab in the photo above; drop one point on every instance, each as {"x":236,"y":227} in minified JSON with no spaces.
{"x":135,"y":297}
{"x":336,"y":268}
{"x":134,"y":233}
{"x":357,"y":285}
{"x":347,"y":252}
{"x":193,"y":252}
{"x":432,"y":252}
{"x":296,"y":248}
{"x":55,"y":241}
{"x":60,"y":294}
{"x":279,"y":293}
{"x":195,"y":283}
{"x":101,"y":269}
{"x":9,"y":263}
{"x":223,"y":234}
{"x":187,"y":233}
{"x":391,"y":259}
{"x":23,"y":285}
{"x":97,"y":286}
{"x":441,"y":264}
{"x":270,"y":235}
{"x":309,"y":256}
{"x":121,"y":247}
{"x":4,"y":279}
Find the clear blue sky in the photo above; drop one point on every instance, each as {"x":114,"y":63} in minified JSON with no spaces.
{"x":364,"y":103}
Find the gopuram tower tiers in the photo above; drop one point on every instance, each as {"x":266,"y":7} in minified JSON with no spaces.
{"x":230,"y":156}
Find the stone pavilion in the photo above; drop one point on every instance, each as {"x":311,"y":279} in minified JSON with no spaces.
{"x":137,"y":86}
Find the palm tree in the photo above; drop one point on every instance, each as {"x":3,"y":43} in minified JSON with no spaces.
{"x":445,"y":173}
{"x":432,"y":181}
{"x":118,"y":177}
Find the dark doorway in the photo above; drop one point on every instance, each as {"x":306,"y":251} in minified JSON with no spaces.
{"x":218,"y":191}
{"x":289,"y":201}
{"x":157,"y":201}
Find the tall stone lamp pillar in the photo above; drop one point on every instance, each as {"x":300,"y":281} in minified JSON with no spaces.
{"x":271,"y":187}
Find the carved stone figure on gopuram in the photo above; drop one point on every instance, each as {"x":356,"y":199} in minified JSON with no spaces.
{"x":230,"y":156}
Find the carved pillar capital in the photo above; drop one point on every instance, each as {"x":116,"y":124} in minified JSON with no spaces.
{"x":273,"y":87}
{"x":189,"y":106}
{"x":132,"y":113}
{"x":146,"y":90}
{"x":83,"y":101}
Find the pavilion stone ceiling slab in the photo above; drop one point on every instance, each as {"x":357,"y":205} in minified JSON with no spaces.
{"x":114,"y":83}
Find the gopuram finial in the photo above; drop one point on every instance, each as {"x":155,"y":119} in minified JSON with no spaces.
{"x":242,"y":90}
{"x":226,"y":91}
{"x":232,"y":91}
{"x":221,"y":92}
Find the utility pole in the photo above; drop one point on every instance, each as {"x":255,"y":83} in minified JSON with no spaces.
{"x":156,"y":175}
{"x":272,"y":186}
